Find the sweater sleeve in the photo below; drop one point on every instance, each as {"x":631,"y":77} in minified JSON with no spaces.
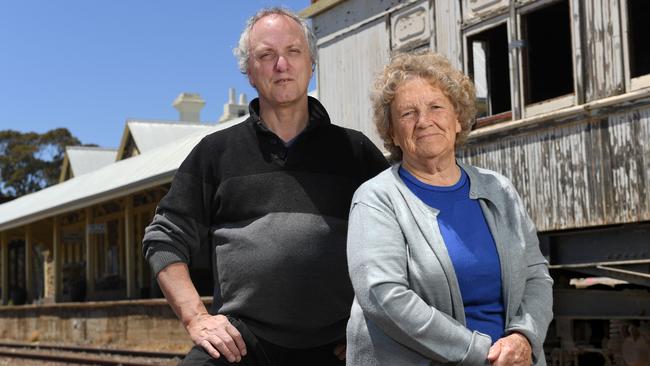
{"x":377,"y":260}
{"x":180,"y":227}
{"x":374,"y":161}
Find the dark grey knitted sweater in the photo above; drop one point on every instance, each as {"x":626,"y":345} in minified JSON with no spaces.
{"x":274,"y":219}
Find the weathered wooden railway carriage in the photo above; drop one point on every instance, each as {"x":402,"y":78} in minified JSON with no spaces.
{"x":564,"y":111}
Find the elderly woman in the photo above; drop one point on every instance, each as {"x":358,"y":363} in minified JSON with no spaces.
{"x":444,"y":260}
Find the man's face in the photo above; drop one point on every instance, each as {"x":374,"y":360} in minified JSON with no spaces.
{"x":279,"y":64}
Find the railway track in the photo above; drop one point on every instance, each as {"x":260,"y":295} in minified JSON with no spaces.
{"x":86,"y":355}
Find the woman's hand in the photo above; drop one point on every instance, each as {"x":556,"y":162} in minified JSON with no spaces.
{"x":512,"y":350}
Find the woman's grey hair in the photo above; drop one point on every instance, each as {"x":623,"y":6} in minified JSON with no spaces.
{"x":434,"y":68}
{"x":242,"y":51}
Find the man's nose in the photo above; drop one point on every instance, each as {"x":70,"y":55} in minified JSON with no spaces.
{"x":282,"y":64}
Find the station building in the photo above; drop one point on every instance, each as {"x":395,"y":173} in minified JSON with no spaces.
{"x":80,"y":240}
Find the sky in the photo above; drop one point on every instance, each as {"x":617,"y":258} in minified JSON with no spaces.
{"x":89,"y":65}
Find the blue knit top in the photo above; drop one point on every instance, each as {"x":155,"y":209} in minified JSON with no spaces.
{"x":471,"y":248}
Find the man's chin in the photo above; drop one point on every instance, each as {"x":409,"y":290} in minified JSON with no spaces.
{"x":287,"y":99}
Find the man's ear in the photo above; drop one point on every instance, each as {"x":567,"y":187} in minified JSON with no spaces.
{"x":250,"y":80}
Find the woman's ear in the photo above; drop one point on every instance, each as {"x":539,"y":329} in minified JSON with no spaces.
{"x":392,"y":135}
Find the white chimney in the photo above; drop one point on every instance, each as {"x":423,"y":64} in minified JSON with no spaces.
{"x":231,"y":95}
{"x":232,"y":109}
{"x":189,"y":107}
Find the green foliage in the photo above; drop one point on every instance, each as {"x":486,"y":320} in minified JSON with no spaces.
{"x":31,"y":161}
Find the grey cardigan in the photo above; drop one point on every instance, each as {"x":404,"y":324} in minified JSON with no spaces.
{"x":408,"y":308}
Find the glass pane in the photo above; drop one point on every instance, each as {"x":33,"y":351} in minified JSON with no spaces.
{"x":480,"y":77}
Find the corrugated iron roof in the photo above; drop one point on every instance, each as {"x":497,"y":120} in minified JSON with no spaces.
{"x":85,"y":159}
{"x":153,"y":167}
{"x":149,"y":135}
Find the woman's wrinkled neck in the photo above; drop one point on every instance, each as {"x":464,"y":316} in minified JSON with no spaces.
{"x":439,"y":171}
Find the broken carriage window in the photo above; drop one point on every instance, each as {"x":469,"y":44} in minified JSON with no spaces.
{"x":638,"y":12}
{"x":547,"y":56}
{"x":488,"y":68}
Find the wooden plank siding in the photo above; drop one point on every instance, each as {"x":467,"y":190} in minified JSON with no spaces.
{"x":602,"y":39}
{"x":584,"y":173}
{"x":345,"y":82}
{"x":447,"y":31}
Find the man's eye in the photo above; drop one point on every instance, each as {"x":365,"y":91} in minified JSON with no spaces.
{"x":294,"y":51}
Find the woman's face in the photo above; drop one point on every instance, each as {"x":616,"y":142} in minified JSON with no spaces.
{"x":424,"y":122}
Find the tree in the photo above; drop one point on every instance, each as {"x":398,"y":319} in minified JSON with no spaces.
{"x":31,"y":161}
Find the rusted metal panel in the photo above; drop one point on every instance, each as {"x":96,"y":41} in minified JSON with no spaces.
{"x":602,"y":33}
{"x":346,"y":72}
{"x":601,"y":304}
{"x":584,"y":173}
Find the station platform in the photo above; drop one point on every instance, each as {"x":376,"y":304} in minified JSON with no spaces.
{"x":149,"y":324}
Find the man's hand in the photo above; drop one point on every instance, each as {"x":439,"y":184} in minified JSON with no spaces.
{"x":512,"y":350}
{"x":217,"y":336}
{"x":214,"y":333}
{"x":339,"y":351}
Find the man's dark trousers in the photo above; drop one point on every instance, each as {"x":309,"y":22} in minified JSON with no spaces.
{"x":263,"y":353}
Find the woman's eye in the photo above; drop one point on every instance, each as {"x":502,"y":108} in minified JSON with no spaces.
{"x":407,"y":114}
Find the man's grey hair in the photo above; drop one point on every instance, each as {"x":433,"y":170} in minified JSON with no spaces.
{"x":242,"y":51}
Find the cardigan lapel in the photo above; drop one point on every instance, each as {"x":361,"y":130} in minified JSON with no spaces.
{"x":426,"y":219}
{"x":504,"y":256}
{"x":478,"y":190}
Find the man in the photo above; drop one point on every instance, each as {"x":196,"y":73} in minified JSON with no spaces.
{"x":270,"y":198}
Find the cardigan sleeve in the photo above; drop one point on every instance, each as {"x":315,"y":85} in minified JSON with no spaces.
{"x":180,"y":227}
{"x":377,"y":259}
{"x":534,"y":314}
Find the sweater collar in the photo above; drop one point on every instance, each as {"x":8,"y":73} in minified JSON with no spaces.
{"x":317,"y":114}
{"x":481,"y":182}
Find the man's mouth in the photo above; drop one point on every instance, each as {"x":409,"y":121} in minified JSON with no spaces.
{"x":282,"y":81}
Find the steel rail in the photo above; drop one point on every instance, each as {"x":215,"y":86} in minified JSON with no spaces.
{"x":113,"y":351}
{"x":84,"y":360}
{"x":108,"y":356}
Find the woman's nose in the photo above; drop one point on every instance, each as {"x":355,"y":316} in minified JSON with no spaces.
{"x":424,"y":119}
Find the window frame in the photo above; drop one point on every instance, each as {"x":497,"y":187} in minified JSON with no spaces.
{"x":631,"y":83}
{"x":481,"y":27}
{"x":513,"y":18}
{"x":564,"y":101}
